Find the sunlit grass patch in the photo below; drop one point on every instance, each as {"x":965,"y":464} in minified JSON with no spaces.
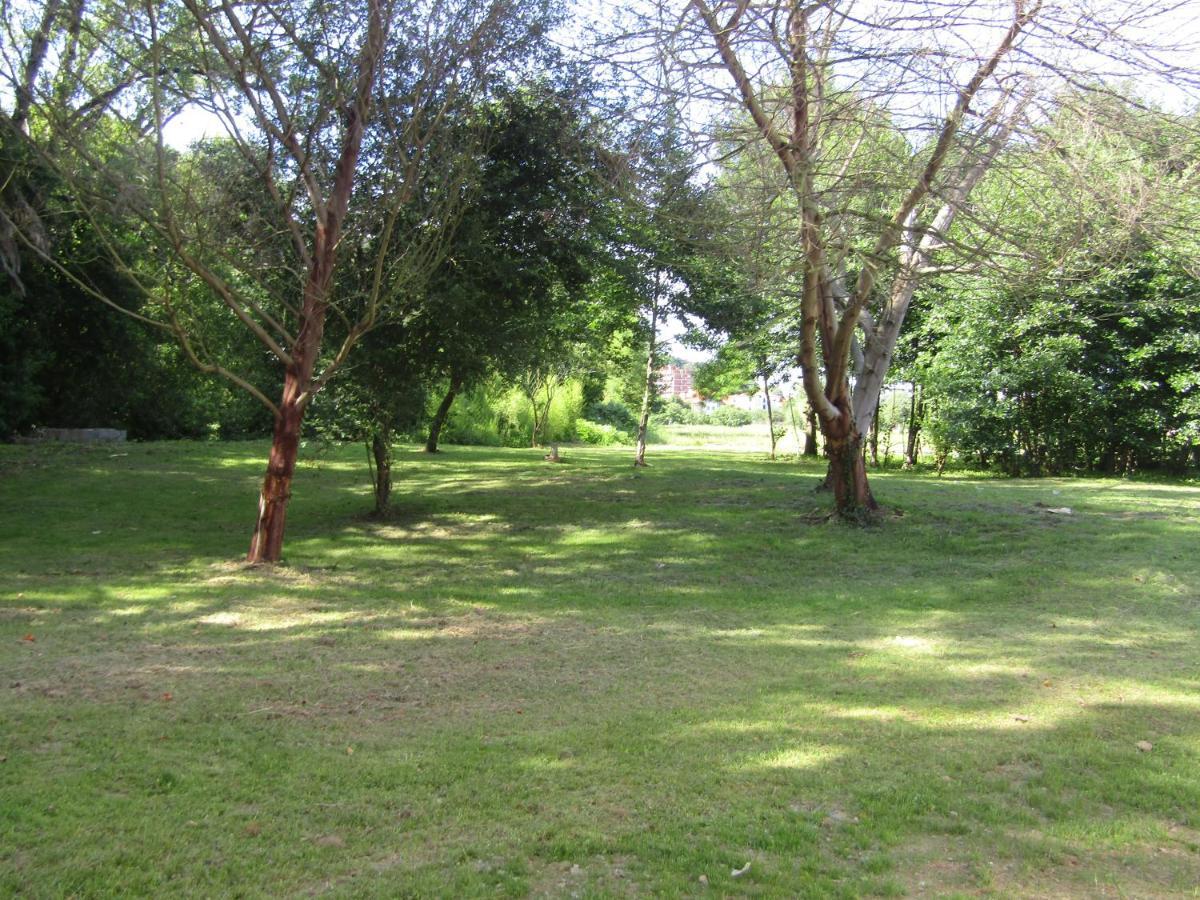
{"x":589,"y":679}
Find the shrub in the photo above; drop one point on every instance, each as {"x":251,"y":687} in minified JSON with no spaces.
{"x":730,"y":416}
{"x":612,"y":412}
{"x":676,"y":412}
{"x":601,"y":434}
{"x":472,"y":419}
{"x":566,"y":406}
{"x":514,"y":415}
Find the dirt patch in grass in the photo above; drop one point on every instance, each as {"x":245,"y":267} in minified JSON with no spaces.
{"x":1033,"y":864}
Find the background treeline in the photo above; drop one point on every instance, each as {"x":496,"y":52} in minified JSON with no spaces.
{"x":1058,"y":329}
{"x":1045,"y":342}
{"x":1082,"y":353}
{"x":524,"y":330}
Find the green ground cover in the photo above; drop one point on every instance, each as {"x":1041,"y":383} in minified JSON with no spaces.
{"x":587,"y":680}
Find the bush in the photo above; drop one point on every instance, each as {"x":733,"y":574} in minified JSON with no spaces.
{"x":730,"y":416}
{"x":676,"y":412}
{"x":566,"y":406}
{"x":472,"y":419}
{"x":515,"y":415}
{"x":602,"y":434}
{"x":612,"y":412}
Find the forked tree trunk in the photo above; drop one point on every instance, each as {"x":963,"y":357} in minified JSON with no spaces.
{"x":852,"y":497}
{"x":881,"y":341}
{"x":537,"y":428}
{"x":442,"y":413}
{"x":829,"y":322}
{"x":639,"y":458}
{"x":381,"y":450}
{"x":541,"y":415}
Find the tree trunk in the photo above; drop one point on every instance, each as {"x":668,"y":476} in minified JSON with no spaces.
{"x":381,"y":449}
{"x":770,"y":414}
{"x":875,"y":439}
{"x":639,"y":458}
{"x":810,"y":436}
{"x":847,"y":475}
{"x":39,"y":44}
{"x":443,"y":413}
{"x":790,"y":406}
{"x":541,"y":415}
{"x":914,"y":428}
{"x":267,"y":543}
{"x":537,"y":428}
{"x":881,"y":341}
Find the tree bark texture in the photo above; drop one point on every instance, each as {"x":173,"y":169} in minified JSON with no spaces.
{"x":639,"y":458}
{"x":852,"y":497}
{"x":266,"y":545}
{"x":442,"y":413}
{"x":770,"y":414}
{"x":381,"y":450}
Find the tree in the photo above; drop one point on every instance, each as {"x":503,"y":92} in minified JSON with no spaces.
{"x":663,"y":243}
{"x":1080,"y":353}
{"x":801,"y":72}
{"x":526,"y":245}
{"x":311,"y":96}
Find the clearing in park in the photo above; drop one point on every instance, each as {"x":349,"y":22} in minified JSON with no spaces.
{"x":590,"y":680}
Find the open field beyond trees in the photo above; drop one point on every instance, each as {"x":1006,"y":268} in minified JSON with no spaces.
{"x":586,"y":680}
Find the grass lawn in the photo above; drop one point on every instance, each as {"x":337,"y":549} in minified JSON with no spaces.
{"x":586,"y":680}
{"x":746,"y":439}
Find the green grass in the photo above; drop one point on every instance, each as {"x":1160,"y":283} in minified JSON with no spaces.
{"x":746,"y":439}
{"x":588,"y":680}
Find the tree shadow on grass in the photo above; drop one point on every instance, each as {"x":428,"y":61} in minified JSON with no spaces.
{"x":642,"y":673}
{"x":204,"y":511}
{"x":509,"y":743}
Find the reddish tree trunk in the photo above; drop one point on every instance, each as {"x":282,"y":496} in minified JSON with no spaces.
{"x":847,"y":474}
{"x":267,"y":543}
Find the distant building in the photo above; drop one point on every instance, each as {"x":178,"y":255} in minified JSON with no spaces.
{"x":675,"y":383}
{"x":757,"y":400}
